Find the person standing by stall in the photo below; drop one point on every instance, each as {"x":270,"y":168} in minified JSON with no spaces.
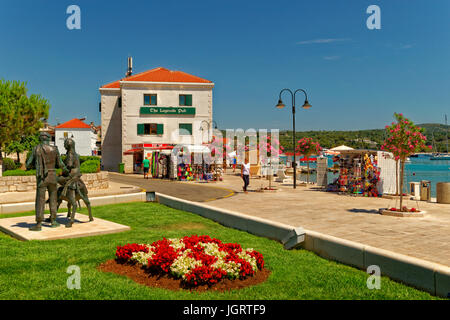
{"x":245,"y":174}
{"x":146,"y":166}
{"x":234,"y":163}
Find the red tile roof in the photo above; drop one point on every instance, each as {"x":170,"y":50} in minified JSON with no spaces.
{"x":159,"y":75}
{"x":73,"y":124}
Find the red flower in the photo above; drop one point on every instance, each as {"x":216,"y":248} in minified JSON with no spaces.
{"x":124,"y":253}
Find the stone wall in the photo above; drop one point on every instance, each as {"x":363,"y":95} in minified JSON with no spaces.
{"x":28,"y":183}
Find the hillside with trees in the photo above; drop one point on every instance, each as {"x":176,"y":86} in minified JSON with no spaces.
{"x":365,"y":139}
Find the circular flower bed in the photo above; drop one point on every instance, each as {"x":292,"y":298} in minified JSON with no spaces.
{"x":195,"y":260}
{"x":404,"y":212}
{"x":405,"y":209}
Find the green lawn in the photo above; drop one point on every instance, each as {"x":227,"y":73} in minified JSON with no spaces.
{"x":37,"y":269}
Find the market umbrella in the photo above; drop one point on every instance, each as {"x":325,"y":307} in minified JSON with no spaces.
{"x":341,"y":148}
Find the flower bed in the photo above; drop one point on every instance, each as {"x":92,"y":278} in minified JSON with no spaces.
{"x":405,"y":212}
{"x":195,"y":260}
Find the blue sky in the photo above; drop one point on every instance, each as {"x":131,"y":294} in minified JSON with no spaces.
{"x":356,"y":78}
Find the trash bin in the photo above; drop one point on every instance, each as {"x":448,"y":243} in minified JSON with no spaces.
{"x":425,"y":190}
{"x":443,"y":192}
{"x":121,"y":167}
{"x":414,"y":190}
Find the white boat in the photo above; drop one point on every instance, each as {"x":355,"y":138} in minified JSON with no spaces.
{"x":441,"y":156}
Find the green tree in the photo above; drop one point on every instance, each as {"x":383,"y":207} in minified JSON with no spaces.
{"x":26,"y":143}
{"x":21,"y":115}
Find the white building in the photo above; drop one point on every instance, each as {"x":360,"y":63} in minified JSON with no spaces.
{"x":82,"y":133}
{"x":158,"y":108}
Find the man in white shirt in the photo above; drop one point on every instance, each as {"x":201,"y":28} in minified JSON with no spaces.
{"x":245,"y":173}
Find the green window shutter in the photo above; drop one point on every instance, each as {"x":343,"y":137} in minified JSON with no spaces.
{"x":159,"y":128}
{"x":189,"y":100}
{"x":140,"y":128}
{"x":185,"y":129}
{"x":182,"y":100}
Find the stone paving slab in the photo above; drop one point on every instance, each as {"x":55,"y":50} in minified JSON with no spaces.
{"x":18,"y":228}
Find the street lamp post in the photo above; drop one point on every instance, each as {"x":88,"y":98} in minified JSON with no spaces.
{"x":306,"y":105}
{"x":209,"y":126}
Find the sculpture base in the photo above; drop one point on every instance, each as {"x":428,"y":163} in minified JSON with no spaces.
{"x":19,"y":227}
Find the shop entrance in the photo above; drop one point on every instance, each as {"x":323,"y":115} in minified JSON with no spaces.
{"x":138,"y":157}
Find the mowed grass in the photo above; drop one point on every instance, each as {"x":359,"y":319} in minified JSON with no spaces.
{"x":37,"y":269}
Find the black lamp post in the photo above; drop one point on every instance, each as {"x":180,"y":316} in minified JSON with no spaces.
{"x":306,"y":105}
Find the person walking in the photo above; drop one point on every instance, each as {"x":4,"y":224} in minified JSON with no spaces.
{"x":245,"y":174}
{"x":146,"y":166}
{"x":234,"y":163}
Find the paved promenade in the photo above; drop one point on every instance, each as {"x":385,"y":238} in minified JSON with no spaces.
{"x":193,"y":191}
{"x":342,"y":216}
{"x":348,"y":217}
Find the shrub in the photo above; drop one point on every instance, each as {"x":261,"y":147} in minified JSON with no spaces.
{"x":83,"y":158}
{"x":90,"y":166}
{"x":87,"y":158}
{"x":10,"y":164}
{"x":19,"y":172}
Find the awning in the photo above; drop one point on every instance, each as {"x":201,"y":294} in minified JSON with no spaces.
{"x":332,"y":153}
{"x":132,"y":151}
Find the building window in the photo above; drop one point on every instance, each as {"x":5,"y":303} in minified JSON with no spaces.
{"x":185,"y":99}
{"x":150,"y":99}
{"x":185,"y":129}
{"x":150,"y":129}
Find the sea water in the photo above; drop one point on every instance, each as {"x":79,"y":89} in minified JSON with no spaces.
{"x":420,"y":168}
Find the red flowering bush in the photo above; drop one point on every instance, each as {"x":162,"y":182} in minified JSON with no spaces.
{"x":124,"y":253}
{"x":205,"y":275}
{"x":307,"y":147}
{"x":196,"y":259}
{"x":404,"y":138}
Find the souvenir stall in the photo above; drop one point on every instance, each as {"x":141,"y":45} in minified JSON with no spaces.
{"x":192,"y":164}
{"x":157,"y":154}
{"x":359,"y":173}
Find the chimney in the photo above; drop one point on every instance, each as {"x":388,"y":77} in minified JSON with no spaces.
{"x":130,"y":67}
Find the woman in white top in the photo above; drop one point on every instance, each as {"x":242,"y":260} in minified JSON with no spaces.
{"x":245,"y":174}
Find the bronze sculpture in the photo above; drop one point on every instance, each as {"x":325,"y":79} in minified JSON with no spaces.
{"x":72,"y":188}
{"x":45,"y":158}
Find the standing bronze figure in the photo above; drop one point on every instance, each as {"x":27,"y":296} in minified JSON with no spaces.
{"x":45,"y":158}
{"x":72,"y":188}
